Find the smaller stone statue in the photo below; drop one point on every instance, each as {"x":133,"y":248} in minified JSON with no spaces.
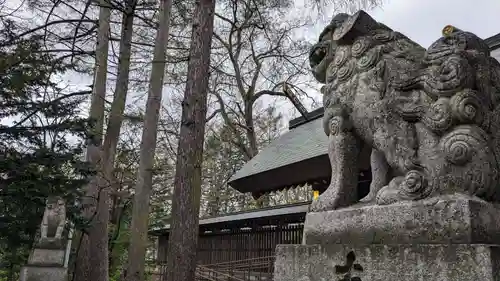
{"x":47,"y":259}
{"x":54,"y":219}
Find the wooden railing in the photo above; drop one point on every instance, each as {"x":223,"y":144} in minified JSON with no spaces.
{"x":256,"y":269}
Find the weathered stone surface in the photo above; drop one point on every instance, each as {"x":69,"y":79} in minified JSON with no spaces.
{"x":47,"y":257}
{"x":452,"y":219}
{"x":41,"y":273}
{"x":431,"y":116}
{"x":453,"y":262}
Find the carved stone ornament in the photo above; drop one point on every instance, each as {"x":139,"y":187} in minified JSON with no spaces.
{"x":430,"y":116}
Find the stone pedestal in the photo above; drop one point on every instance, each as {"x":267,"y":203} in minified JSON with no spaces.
{"x":452,"y":238}
{"x":43,"y":273}
{"x":46,"y":263}
{"x":453,"y":262}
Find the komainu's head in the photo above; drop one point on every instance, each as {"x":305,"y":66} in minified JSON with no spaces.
{"x":323,"y":52}
{"x":54,"y":202}
{"x":342,"y":30}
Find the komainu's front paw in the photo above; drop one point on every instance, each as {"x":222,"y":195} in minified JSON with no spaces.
{"x":390,"y":193}
{"x":413,"y":186}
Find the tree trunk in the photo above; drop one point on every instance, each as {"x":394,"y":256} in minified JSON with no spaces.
{"x":183,"y":240}
{"x":83,"y":262}
{"x":98,"y":232}
{"x":140,"y":212}
{"x":250,"y":131}
{"x":253,"y":148}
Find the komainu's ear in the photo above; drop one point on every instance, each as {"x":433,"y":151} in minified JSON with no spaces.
{"x":360,"y":23}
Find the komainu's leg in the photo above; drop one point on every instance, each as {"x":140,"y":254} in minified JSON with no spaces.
{"x":43,"y":231}
{"x":44,"y":226}
{"x":343,"y":152}
{"x":380,"y":174}
{"x":59,"y":230}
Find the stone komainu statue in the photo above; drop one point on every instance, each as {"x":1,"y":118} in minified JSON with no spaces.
{"x":54,"y":219}
{"x":430,"y":117}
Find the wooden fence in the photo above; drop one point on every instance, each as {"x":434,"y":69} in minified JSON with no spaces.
{"x":244,"y":244}
{"x":244,"y":254}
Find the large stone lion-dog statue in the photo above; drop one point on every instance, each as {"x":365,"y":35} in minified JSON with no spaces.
{"x":430,"y":117}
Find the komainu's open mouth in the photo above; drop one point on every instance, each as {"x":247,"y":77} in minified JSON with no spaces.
{"x":317,"y":54}
{"x":319,"y":58}
{"x":322,"y":53}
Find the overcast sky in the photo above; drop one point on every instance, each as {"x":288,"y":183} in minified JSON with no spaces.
{"x":423,"y":20}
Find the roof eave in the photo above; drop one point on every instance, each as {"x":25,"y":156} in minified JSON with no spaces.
{"x":263,"y":214}
{"x":295,"y":174}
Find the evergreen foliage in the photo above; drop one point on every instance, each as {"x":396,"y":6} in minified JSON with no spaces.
{"x":41,"y":135}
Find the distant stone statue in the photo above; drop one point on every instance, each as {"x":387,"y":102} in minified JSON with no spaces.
{"x":430,"y":117}
{"x":54,"y":219}
{"x":47,"y":259}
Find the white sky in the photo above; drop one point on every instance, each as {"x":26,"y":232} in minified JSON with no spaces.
{"x":423,"y":20}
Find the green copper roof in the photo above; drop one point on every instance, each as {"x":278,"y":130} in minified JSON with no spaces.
{"x":303,"y":142}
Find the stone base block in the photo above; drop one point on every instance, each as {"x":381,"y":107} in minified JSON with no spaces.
{"x":431,"y":262}
{"x":43,"y":273}
{"x":47,"y":257}
{"x":442,"y":220}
